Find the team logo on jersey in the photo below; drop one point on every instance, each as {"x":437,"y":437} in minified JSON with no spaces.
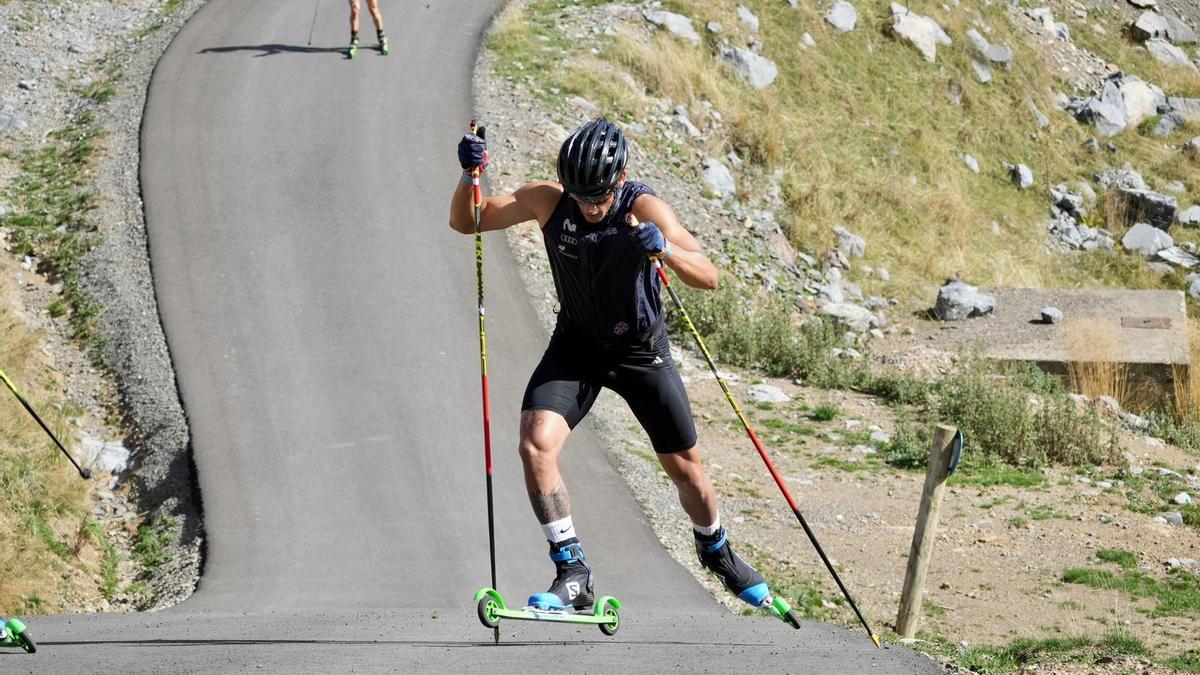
{"x":568,"y":225}
{"x":621,"y":328}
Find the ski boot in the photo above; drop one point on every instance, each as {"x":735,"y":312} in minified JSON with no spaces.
{"x":13,"y":634}
{"x":739,"y":577}
{"x":572,"y":587}
{"x":383,"y":43}
{"x":353,"y":50}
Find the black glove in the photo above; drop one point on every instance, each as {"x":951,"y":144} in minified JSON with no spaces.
{"x":650,"y":240}
{"x":472,"y":151}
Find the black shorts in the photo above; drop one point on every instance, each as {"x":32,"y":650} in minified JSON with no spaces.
{"x":642,"y":372}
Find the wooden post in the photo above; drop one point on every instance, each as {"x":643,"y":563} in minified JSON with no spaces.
{"x":926,"y":530}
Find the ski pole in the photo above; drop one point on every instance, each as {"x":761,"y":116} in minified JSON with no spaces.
{"x":83,"y":473}
{"x":477,"y":203}
{"x":666,"y":282}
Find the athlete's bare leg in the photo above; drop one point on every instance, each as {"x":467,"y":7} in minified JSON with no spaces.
{"x":696,"y":493}
{"x":373,"y":8}
{"x":543,"y":434}
{"x":353,"y":17}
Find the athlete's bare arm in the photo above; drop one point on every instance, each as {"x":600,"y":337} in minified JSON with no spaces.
{"x":532,"y":201}
{"x":687,"y":260}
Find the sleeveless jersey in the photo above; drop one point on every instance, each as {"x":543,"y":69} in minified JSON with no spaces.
{"x":606,"y":287}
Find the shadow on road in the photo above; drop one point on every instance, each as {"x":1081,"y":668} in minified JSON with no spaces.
{"x":270,"y":49}
{"x":407,"y":643}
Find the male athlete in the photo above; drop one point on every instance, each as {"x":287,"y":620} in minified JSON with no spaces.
{"x":610,"y":333}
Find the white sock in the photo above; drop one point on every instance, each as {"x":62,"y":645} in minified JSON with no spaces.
{"x":559,"y":530}
{"x":710,"y":530}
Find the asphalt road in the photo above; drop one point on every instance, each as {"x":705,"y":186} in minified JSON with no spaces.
{"x":321,"y":317}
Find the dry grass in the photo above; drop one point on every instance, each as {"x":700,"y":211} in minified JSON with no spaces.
{"x":1186,"y":380}
{"x":865,"y":133}
{"x":1094,"y":369}
{"x":41,"y":498}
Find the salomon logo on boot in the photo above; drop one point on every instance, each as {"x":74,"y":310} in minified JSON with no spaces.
{"x":572,"y":587}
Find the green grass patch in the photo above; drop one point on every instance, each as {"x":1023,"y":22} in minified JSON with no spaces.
{"x":1025,"y":653}
{"x":150,"y":548}
{"x":825,"y":412}
{"x":51,"y":198}
{"x":108,"y":562}
{"x":1178,"y":594}
{"x":1119,"y":556}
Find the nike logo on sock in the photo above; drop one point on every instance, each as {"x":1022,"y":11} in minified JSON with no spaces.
{"x":564,"y":530}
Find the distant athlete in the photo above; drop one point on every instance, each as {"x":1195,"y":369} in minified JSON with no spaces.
{"x":376,"y":16}
{"x":610,"y":333}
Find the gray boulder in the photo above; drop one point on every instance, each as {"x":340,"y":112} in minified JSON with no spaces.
{"x":1168,"y":54}
{"x":982,"y":72}
{"x":852,"y":317}
{"x":1190,"y":217}
{"x":677,"y":25}
{"x":1066,"y":201}
{"x":1167,"y":124}
{"x":748,"y":18}
{"x":1000,"y":55}
{"x":1146,"y":239}
{"x":842,"y":16}
{"x":1179,"y":32}
{"x":1189,"y":108}
{"x":1021,"y":175}
{"x":1149,"y":25}
{"x":1051,"y":315}
{"x":1177,"y":257}
{"x":921,"y":32}
{"x":765,"y":393}
{"x":1146,"y":206}
{"x":1122,"y":179}
{"x":850,"y":244}
{"x":759,"y":71}
{"x":718,"y":177}
{"x":957,"y":301}
{"x":1141,"y":100}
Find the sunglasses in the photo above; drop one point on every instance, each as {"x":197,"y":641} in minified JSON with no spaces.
{"x":594,"y":200}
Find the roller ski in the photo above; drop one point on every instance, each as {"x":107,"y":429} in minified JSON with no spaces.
{"x":352,"y":51}
{"x":740,"y":578}
{"x":571,"y":598}
{"x":383,"y":44}
{"x":13,"y":634}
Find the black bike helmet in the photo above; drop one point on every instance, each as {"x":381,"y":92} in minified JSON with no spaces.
{"x":592,"y":159}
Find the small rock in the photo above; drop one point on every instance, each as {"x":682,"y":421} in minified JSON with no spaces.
{"x":1051,"y":315}
{"x":765,"y":393}
{"x":982,"y":72}
{"x":1190,"y":217}
{"x":850,"y":244}
{"x":1173,"y":518}
{"x":1168,"y":54}
{"x":718,"y":177}
{"x":1022,"y":176}
{"x":1183,"y":499}
{"x":807,"y":41}
{"x":1148,"y":26}
{"x":921,"y":32}
{"x":748,"y":18}
{"x":1038,"y":115}
{"x":759,"y":71}
{"x":714,"y":27}
{"x":677,"y":25}
{"x":842,"y":16}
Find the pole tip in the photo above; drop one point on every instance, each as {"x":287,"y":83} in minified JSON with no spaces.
{"x":875,"y":639}
{"x":86,"y":474}
{"x":496,"y":635}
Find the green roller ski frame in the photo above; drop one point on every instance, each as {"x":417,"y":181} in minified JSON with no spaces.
{"x":491,"y":607}
{"x":17,"y":636}
{"x":780,"y":609}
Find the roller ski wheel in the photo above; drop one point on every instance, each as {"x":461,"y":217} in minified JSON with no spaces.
{"x":605,"y":614}
{"x":780,"y":609}
{"x":17,"y":636}
{"x":352,"y":51}
{"x":383,"y":47}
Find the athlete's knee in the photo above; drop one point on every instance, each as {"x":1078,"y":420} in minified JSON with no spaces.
{"x":684,"y":468}
{"x":541,"y":439}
